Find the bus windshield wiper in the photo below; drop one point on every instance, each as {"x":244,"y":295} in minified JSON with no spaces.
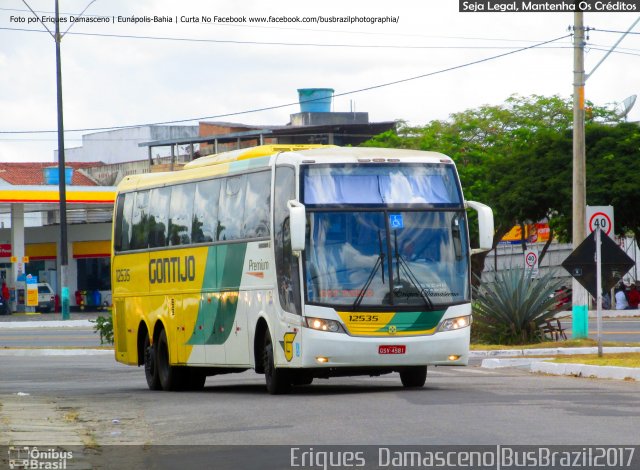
{"x":402,"y":264}
{"x":379,"y":263}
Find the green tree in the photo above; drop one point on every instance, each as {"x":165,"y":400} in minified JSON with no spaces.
{"x":493,"y":147}
{"x":613,"y":173}
{"x":613,"y":166}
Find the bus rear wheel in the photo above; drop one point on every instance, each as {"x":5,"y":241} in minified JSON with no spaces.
{"x":150,"y":369}
{"x":170,"y":377}
{"x":413,"y":377}
{"x":277,"y":380}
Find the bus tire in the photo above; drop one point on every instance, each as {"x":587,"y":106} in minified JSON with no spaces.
{"x":413,"y":377}
{"x":170,"y":377}
{"x":150,"y":369}
{"x":277,"y":380}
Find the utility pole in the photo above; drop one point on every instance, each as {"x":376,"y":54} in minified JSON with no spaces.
{"x":64,"y":252}
{"x":580,"y":308}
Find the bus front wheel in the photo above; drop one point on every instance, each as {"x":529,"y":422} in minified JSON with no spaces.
{"x":277,"y":380}
{"x":413,"y":377}
{"x":150,"y":369}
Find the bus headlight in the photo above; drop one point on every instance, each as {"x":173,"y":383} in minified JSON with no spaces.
{"x":455,"y":323}
{"x":323,"y":324}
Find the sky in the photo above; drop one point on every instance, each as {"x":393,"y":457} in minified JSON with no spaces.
{"x":123,"y":73}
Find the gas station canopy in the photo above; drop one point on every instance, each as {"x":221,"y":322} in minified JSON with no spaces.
{"x":37,"y":198}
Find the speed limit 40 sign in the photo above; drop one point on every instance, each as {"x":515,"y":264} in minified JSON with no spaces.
{"x":531,"y":261}
{"x":600,"y":217}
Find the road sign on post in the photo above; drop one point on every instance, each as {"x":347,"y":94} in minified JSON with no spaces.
{"x":600,"y":217}
{"x":531,"y":261}
{"x":581,"y":264}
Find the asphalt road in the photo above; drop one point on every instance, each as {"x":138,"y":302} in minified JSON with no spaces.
{"x":458,"y":405}
{"x":614,"y":329}
{"x":49,"y":337}
{"x":94,"y":401}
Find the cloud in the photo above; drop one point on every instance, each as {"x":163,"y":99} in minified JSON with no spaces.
{"x":112,"y":81}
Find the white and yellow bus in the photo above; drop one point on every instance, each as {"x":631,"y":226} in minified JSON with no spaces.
{"x":299,"y":262}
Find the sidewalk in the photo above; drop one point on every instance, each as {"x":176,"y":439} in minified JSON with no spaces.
{"x":520,"y":358}
{"x":566,"y":314}
{"x":47,"y":317}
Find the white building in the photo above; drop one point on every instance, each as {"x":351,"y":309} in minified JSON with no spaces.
{"x":121,"y":145}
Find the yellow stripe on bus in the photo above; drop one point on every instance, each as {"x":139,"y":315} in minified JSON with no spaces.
{"x":247,"y":153}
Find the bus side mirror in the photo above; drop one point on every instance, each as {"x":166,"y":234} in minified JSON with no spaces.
{"x":485,"y":223}
{"x":297,"y":225}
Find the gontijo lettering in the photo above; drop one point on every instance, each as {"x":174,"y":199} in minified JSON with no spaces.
{"x":174,"y":269}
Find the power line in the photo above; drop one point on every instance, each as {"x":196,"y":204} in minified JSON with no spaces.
{"x":79,"y":16}
{"x":637,"y":53}
{"x":269,"y":108}
{"x":263,"y":43}
{"x":612,"y":31}
{"x":594,"y":46}
{"x":39,"y":19}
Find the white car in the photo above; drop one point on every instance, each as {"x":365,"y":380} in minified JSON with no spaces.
{"x":46,"y":298}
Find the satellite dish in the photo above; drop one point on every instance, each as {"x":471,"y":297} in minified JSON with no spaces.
{"x":622,"y":109}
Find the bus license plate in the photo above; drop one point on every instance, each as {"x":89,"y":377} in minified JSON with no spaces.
{"x":397,"y":349}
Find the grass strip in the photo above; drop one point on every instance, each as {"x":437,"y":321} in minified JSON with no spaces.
{"x":570,"y":343}
{"x":617,"y":360}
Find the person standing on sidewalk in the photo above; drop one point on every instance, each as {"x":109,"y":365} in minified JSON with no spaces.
{"x":634,"y":297}
{"x":5,"y":299}
{"x":621,"y":299}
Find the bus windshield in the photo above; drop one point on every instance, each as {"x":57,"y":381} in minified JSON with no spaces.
{"x":433,"y":185}
{"x":385,"y":258}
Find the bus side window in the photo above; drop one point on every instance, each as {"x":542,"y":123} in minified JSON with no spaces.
{"x":140,"y":221}
{"x":204,"y":224}
{"x":257,"y":203}
{"x":231,"y":211}
{"x":158,"y":217}
{"x":180,"y":214}
{"x":122,"y":235}
{"x":287,"y":272}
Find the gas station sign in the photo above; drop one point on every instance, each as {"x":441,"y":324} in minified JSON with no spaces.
{"x":32,"y":291}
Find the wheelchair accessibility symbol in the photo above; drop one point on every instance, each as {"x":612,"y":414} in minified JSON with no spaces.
{"x":396,"y":221}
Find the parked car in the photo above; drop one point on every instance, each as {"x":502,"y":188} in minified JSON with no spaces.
{"x":46,"y":298}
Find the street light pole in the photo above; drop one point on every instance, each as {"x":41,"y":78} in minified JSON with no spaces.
{"x":64,"y":254}
{"x":580,"y":308}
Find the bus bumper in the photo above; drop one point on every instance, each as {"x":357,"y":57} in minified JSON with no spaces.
{"x":321,"y":349}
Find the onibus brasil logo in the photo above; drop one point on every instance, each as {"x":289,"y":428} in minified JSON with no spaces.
{"x":33,"y":458}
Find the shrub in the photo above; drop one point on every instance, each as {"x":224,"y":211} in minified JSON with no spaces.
{"x":511,"y":309}
{"x":104,"y":326}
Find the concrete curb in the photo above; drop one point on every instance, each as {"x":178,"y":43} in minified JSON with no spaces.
{"x":608,"y":314}
{"x":583,"y":370}
{"x":56,"y":352}
{"x":506,"y":358}
{"x":47,"y":324}
{"x":548,"y":352}
{"x":520,"y":362}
